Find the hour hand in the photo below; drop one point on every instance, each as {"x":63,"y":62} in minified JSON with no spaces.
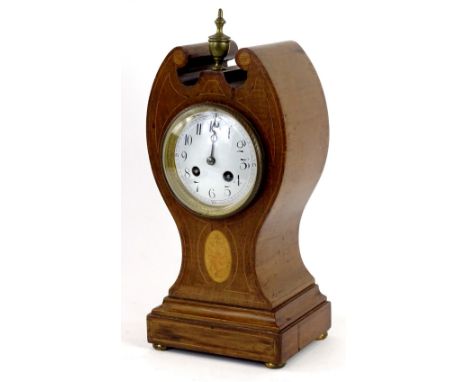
{"x":211,"y":159}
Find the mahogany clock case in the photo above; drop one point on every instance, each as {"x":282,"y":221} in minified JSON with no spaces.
{"x":269,"y":306}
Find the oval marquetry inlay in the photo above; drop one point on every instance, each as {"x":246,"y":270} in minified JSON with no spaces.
{"x":218,"y":258}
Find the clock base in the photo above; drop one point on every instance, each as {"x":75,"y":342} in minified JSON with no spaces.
{"x":271,"y":337}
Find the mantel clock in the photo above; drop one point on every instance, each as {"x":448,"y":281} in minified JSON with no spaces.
{"x":236,"y":151}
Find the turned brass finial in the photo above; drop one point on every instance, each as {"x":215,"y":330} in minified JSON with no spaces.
{"x":219,"y":42}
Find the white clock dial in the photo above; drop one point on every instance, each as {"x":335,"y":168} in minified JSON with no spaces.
{"x":212,"y":160}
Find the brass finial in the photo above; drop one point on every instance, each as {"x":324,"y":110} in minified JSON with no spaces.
{"x":219,"y":42}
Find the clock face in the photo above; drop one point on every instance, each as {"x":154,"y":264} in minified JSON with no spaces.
{"x":212,"y":160}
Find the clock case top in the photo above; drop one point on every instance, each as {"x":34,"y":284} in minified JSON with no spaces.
{"x":277,"y":89}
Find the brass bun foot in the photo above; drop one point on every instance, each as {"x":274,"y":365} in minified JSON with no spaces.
{"x":160,"y":347}
{"x":322,"y":336}
{"x":272,"y":365}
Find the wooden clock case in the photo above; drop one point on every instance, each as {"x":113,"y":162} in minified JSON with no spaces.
{"x":269,"y":307}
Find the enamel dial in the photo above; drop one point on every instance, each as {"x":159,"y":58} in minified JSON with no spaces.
{"x":212,"y":160}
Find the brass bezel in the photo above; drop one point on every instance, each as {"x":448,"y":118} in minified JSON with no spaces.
{"x":170,"y":171}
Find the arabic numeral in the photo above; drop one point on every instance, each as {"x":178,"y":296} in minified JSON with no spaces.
{"x":188,"y":140}
{"x":227,"y":191}
{"x":183,"y":155}
{"x":241,"y":144}
{"x":198,"y":130}
{"x":187,"y":173}
{"x":213,"y":124}
{"x":211,"y":193}
{"x":244,"y":165}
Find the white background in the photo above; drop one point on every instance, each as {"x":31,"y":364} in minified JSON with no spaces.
{"x":385,"y":232}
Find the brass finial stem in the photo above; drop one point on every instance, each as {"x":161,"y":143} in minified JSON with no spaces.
{"x":220,"y":22}
{"x":219,"y":42}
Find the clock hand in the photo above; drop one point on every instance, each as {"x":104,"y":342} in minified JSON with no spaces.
{"x":213,"y":139}
{"x":211,"y":159}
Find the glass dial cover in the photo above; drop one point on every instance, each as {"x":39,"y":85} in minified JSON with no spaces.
{"x":212,"y":160}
